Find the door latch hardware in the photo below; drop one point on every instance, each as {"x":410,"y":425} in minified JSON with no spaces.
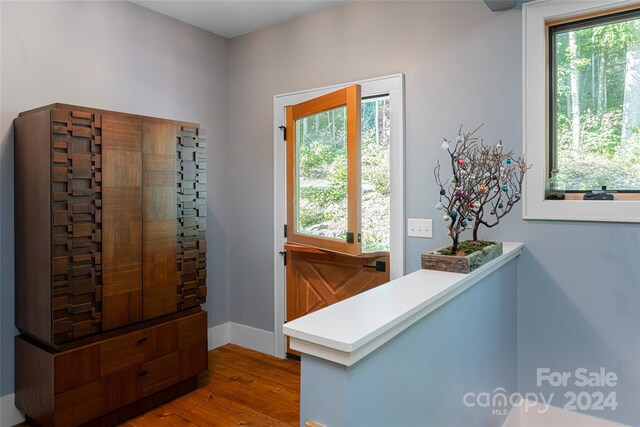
{"x":380,"y":266}
{"x":284,"y":132}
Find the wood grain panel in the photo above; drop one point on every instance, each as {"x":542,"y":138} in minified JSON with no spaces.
{"x":163,"y":340}
{"x":160,"y":373}
{"x":32,"y":174}
{"x":192,"y":330}
{"x":75,"y":368}
{"x":122,"y":352}
{"x":34,"y":382}
{"x":160,"y":294}
{"x":122,"y":220}
{"x":122,"y":388}
{"x":80,"y":405}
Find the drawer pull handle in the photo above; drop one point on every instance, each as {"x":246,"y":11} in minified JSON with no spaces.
{"x":142,"y":340}
{"x":143,"y":373}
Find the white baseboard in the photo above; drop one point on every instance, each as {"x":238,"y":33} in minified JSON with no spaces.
{"x":219,"y":335}
{"x":9,"y":414}
{"x":242,"y":335}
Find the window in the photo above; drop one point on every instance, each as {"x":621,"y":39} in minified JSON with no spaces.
{"x":581,"y":118}
{"x":595,"y":103}
{"x":321,"y":179}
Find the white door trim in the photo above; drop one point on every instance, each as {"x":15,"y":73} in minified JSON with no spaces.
{"x":392,"y":85}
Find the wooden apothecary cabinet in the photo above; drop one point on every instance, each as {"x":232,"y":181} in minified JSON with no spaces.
{"x":110,"y":244}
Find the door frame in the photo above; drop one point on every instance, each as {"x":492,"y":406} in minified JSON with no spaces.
{"x":392,"y":85}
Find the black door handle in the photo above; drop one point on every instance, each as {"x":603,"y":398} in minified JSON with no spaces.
{"x":380,"y":266}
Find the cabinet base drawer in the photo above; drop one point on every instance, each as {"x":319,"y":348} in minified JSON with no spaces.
{"x":110,"y":379}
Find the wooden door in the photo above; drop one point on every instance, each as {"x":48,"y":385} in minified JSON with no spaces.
{"x":318,"y":278}
{"x":121,"y":221}
{"x":325,"y":262}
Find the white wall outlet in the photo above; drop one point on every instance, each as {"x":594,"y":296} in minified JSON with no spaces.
{"x":420,"y":228}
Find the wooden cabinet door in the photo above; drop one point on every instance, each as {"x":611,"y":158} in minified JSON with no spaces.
{"x":122,"y":220}
{"x":159,"y":213}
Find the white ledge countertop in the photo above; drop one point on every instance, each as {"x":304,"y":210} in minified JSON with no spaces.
{"x":347,"y":331}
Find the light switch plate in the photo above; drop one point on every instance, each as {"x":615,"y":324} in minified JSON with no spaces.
{"x":419,"y":228}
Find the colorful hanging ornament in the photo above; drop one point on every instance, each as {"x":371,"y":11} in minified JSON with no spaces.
{"x":509,"y":203}
{"x":459,"y":139}
{"x":500,"y":205}
{"x":458,"y":192}
{"x":461,"y":161}
{"x":482,"y":189}
{"x":446,"y":218}
{"x":516,"y":195}
{"x":445,"y":145}
{"x":509,"y":161}
{"x":485,"y":152}
{"x":464,"y":223}
{"x":443,"y":192}
{"x":453,"y":214}
{"x":505,"y":188}
{"x":453,"y":179}
{"x":439,"y":206}
{"x":472,"y":205}
{"x":522,"y":165}
{"x":471,"y":217}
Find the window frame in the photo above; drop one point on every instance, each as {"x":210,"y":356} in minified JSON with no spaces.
{"x":537,"y":17}
{"x":349,"y":98}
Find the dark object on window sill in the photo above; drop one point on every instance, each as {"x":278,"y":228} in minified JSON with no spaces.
{"x":597,"y":195}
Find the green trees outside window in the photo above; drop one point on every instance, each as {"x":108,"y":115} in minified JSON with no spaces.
{"x":595,"y":133}
{"x":322,"y":174}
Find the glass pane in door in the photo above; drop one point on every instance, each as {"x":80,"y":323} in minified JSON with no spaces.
{"x":321,"y":174}
{"x":376,"y":200}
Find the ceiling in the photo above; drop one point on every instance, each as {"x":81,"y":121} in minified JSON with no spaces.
{"x":232,"y":18}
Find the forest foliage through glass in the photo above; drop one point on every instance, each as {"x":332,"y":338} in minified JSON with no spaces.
{"x":321,"y":151}
{"x":597,"y":99}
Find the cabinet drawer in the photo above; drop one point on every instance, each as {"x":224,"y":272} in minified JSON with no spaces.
{"x":192,"y":330}
{"x":159,"y":374}
{"x":79,"y":405}
{"x":122,"y":352}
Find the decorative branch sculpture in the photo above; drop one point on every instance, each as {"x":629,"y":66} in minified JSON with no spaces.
{"x":484,"y":186}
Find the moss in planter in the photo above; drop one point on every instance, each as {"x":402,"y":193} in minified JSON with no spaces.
{"x":467,"y":247}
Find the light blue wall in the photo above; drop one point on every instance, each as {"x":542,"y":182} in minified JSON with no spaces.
{"x":419,"y":378}
{"x":579,"y":306}
{"x":579,"y":293}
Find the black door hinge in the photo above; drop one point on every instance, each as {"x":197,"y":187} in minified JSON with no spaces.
{"x":285,"y":230}
{"x":284,"y":256}
{"x":351,"y":237}
{"x":284,"y":132}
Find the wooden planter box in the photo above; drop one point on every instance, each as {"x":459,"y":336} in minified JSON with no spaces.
{"x":460,"y":264}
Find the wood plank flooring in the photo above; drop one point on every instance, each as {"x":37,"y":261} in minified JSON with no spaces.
{"x":241,"y":387}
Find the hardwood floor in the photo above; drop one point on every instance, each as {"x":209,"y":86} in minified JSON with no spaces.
{"x":241,"y":387}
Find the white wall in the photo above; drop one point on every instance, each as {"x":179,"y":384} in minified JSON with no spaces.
{"x":116,"y":56}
